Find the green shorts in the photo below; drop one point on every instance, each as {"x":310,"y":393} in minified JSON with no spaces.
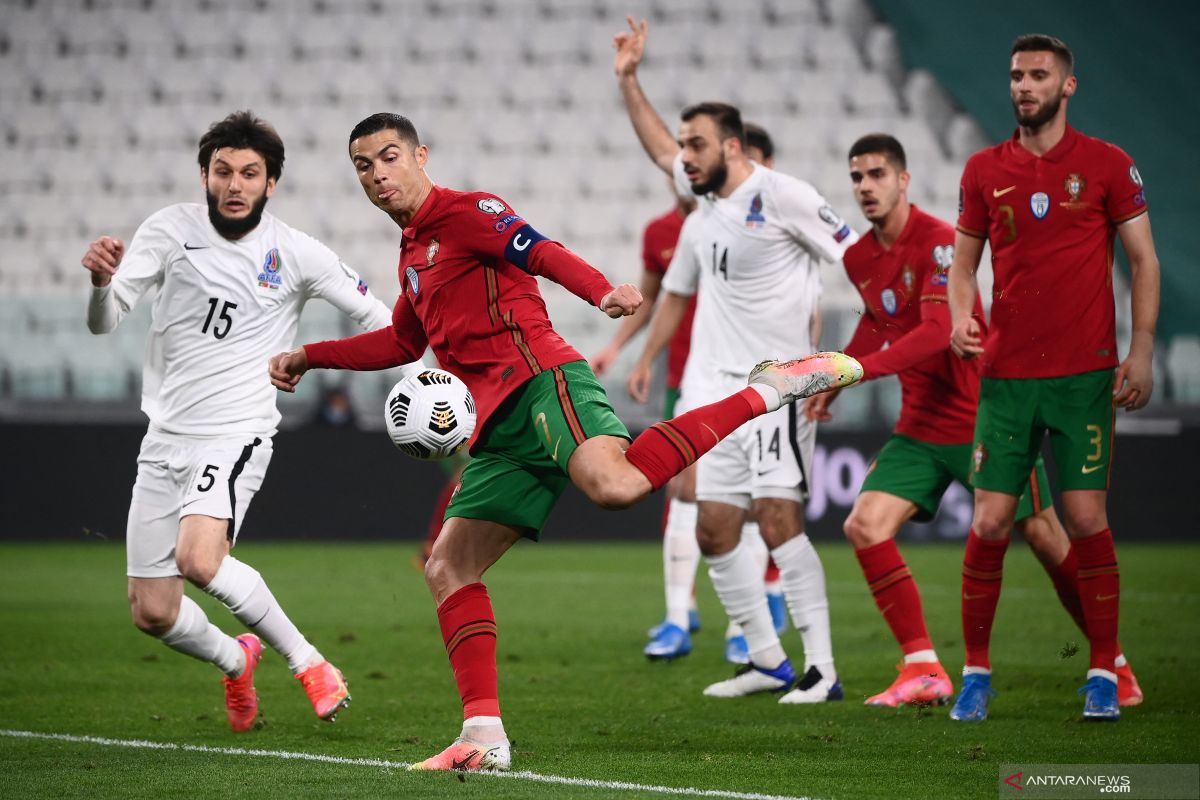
{"x":919,"y":472}
{"x":672,"y":398}
{"x":1015,"y":415}
{"x":518,"y":467}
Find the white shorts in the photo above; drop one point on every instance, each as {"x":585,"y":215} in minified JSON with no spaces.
{"x":178,"y":476}
{"x":770,"y":456}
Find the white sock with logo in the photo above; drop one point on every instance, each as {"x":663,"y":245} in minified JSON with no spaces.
{"x":193,"y":635}
{"x":803,"y":580}
{"x":241,"y":588}
{"x":738,"y":580}
{"x":681,"y":556}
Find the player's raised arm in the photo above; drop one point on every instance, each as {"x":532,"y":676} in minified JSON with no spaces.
{"x":966,"y":337}
{"x":651,"y":131}
{"x":345,"y":290}
{"x":1134,"y":382}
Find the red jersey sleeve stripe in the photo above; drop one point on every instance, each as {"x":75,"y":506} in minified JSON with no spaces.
{"x":519,"y":340}
{"x":493,"y":294}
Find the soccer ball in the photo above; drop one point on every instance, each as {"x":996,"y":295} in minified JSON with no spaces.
{"x":430,"y":415}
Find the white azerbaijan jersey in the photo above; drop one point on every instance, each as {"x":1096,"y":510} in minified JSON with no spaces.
{"x":223,"y":309}
{"x":751,"y":258}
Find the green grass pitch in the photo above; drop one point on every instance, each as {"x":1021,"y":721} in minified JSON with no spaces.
{"x":579,"y":699}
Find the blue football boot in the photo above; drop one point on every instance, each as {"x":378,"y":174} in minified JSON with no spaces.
{"x":736,"y":650}
{"x":1100,"y":700}
{"x":693,"y":624}
{"x":671,"y":642}
{"x":972,"y":703}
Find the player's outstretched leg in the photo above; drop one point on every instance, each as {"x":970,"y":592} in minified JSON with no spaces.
{"x":667,"y":448}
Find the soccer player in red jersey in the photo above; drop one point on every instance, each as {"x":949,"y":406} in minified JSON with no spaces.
{"x":467,"y":267}
{"x":1050,"y":202}
{"x":900,"y":269}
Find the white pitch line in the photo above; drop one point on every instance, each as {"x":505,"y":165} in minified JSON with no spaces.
{"x":400,"y":765}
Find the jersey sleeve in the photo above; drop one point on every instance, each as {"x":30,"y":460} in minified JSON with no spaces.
{"x":139,"y":271}
{"x":327,"y":277}
{"x":972,"y":211}
{"x":683,"y":273}
{"x":398,"y":344}
{"x":494,"y":230}
{"x":812,"y":221}
{"x":1125,"y":197}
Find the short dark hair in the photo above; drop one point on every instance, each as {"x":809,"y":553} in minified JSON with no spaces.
{"x":883,"y":143}
{"x":727,"y":117}
{"x":1040,"y":42}
{"x":757,"y":136}
{"x":241,"y":130}
{"x":386,"y":121}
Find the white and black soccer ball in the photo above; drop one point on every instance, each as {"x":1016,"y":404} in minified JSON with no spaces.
{"x":430,"y":415}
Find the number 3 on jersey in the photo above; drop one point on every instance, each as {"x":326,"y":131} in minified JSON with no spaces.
{"x":224,"y":321}
{"x":721,"y":266}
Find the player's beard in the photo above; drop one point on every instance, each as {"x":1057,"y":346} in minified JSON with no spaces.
{"x":1047,"y":112}
{"x":715,"y":180}
{"x":235,"y":227}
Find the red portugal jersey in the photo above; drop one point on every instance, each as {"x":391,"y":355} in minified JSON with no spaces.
{"x":904,"y":296}
{"x":1051,"y":223}
{"x":467,"y":267}
{"x":658,"y":245}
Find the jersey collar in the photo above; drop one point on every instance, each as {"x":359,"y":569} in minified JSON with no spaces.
{"x":1054,"y":154}
{"x":909,"y":226}
{"x":431,"y":201}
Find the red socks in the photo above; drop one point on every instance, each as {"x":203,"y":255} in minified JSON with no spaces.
{"x":469,"y":632}
{"x":666,"y":449}
{"x":1065,"y":577}
{"x":983,"y":567}
{"x":895,"y":594}
{"x":1099,"y":592}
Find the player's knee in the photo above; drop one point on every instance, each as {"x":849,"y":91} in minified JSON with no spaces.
{"x":444,"y":578}
{"x":1085,"y":521}
{"x":859,"y":532}
{"x":614,"y":493}
{"x":152,"y":619}
{"x":198,"y":569}
{"x":991,"y":526}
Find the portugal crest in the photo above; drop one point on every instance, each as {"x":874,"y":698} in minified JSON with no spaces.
{"x":1074,"y":184}
{"x":432,"y":251}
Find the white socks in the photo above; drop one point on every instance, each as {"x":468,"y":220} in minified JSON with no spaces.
{"x":484,"y":730}
{"x":681,"y":556}
{"x":752,"y":539}
{"x":770,"y":396}
{"x":921,"y":657}
{"x":193,"y":635}
{"x":738,"y":580}
{"x":242,"y":590}
{"x":803,"y":580}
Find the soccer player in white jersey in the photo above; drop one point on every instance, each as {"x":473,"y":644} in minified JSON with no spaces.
{"x":231,"y":281}
{"x":750,"y":253}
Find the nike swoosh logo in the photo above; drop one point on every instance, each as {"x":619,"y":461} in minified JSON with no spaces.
{"x":973,"y":596}
{"x":187,"y":246}
{"x":554,"y":455}
{"x":1002,"y":192}
{"x":1103,"y":597}
{"x":865,"y":284}
{"x":456,"y":764}
{"x":1091,"y":469}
